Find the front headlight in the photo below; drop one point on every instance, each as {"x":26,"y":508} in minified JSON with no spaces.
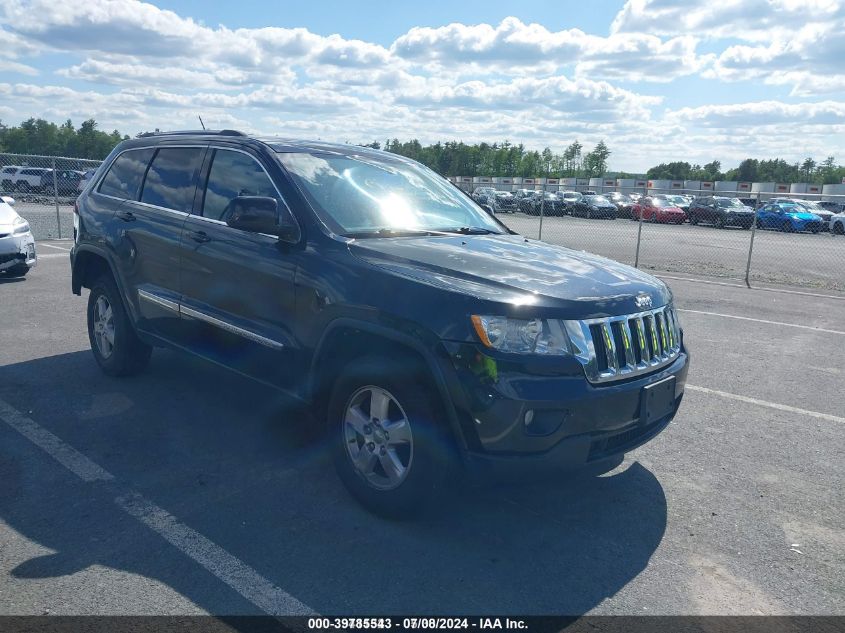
{"x":21,"y":226}
{"x":522,"y":336}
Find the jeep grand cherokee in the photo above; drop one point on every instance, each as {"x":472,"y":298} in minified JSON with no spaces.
{"x":423,"y":332}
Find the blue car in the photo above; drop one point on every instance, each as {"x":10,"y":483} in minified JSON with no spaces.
{"x":788,"y":217}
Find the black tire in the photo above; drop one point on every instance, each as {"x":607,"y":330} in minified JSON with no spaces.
{"x":17,"y":271}
{"x":693,"y":220}
{"x":128,"y":354}
{"x":719,"y":223}
{"x":787,"y":227}
{"x":839,"y":228}
{"x":432,"y":455}
{"x":759,"y":223}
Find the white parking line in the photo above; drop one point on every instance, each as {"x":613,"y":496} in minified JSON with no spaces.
{"x":66,"y":455}
{"x":51,"y":255}
{"x":52,"y":246}
{"x":742,"y":318}
{"x":766,"y":403}
{"x":239,"y":576}
{"x":753,"y":288}
{"x":229,"y":569}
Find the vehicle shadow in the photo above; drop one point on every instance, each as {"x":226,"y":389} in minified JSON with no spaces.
{"x":233,"y":461}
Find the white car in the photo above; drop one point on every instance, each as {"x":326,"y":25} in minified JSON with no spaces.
{"x":837,"y":224}
{"x":17,"y":246}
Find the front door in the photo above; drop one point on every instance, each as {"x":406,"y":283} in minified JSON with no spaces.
{"x":238,"y":301}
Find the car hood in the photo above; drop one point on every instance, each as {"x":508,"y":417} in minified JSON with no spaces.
{"x":7,"y":214}
{"x":514,"y":270}
{"x":669,"y":209}
{"x":802,"y":215}
{"x":738,"y":209}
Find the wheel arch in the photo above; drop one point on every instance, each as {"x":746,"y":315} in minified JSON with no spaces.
{"x":345,"y":339}
{"x":88,"y":263}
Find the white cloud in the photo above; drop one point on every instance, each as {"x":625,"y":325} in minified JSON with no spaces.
{"x":134,"y":66}
{"x":753,"y":20}
{"x":517,"y":48}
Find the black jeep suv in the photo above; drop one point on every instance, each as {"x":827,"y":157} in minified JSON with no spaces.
{"x":419,"y":328}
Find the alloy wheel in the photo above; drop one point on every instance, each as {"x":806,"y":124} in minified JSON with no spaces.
{"x":378,"y":438}
{"x":103,"y":326}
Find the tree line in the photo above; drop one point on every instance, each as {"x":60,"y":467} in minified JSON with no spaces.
{"x":453,"y":158}
{"x":456,"y":158}
{"x":37,"y":136}
{"x":754,"y":170}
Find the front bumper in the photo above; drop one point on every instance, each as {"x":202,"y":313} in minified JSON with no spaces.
{"x":575,"y":424}
{"x":16,"y":250}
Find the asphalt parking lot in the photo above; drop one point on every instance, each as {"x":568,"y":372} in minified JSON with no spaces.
{"x":796,"y":259}
{"x":190,"y":490}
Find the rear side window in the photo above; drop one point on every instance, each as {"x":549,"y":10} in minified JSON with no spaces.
{"x":123,"y":179}
{"x":233,"y":174}
{"x":170,"y":181}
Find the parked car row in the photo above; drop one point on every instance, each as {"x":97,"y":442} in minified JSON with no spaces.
{"x":69,"y":182}
{"x":785,"y":214}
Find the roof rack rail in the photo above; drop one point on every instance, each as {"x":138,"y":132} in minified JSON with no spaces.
{"x":197,"y":132}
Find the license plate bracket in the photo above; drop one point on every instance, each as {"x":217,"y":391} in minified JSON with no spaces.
{"x":657,"y":400}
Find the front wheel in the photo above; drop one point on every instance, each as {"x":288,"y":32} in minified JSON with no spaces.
{"x":787,"y":227}
{"x":720,"y":222}
{"x":388,"y":442}
{"x":839,"y":228}
{"x":116,"y":347}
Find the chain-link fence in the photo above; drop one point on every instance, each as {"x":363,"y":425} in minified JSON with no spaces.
{"x":699,"y":232}
{"x":751,"y":237}
{"x":44,"y":188}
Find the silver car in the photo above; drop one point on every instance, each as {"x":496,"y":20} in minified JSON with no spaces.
{"x":17,"y":246}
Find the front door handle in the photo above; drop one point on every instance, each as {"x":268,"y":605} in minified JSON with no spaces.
{"x":126,"y":216}
{"x":200,"y":236}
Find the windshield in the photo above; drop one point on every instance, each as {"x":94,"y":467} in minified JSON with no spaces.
{"x":597,"y":199}
{"x":660,"y":203}
{"x":678,"y":199}
{"x":732,"y":202}
{"x":367,"y":194}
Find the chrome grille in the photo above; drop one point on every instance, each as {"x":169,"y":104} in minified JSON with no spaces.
{"x":613,"y":348}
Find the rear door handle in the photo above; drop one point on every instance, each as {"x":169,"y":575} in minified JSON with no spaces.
{"x":200,"y":237}
{"x":126,"y":216}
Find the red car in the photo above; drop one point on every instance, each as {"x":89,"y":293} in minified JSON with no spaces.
{"x":657,"y":210}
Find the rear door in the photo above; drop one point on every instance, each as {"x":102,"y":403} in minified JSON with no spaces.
{"x":150,"y":229}
{"x":238,"y":303}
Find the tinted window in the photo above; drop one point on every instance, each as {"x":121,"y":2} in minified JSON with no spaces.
{"x":233,"y":174}
{"x":126,"y":173}
{"x":171,"y":177}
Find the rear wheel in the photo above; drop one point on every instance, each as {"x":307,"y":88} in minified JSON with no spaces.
{"x":116,"y":347}
{"x":388,"y":443}
{"x":720,"y":222}
{"x":839,"y":228}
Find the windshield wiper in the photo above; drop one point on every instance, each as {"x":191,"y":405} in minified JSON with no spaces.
{"x":388,"y":232}
{"x":471,"y":230}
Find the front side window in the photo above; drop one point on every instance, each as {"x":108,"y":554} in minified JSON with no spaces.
{"x":170,"y":181}
{"x":233,"y":174}
{"x":368,"y":194}
{"x":123,"y":179}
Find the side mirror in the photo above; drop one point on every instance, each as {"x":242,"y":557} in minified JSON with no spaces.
{"x":258,"y":214}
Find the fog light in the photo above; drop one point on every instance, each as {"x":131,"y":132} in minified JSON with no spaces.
{"x":529,"y":417}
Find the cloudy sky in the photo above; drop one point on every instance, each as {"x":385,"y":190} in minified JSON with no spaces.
{"x":659,"y":80}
